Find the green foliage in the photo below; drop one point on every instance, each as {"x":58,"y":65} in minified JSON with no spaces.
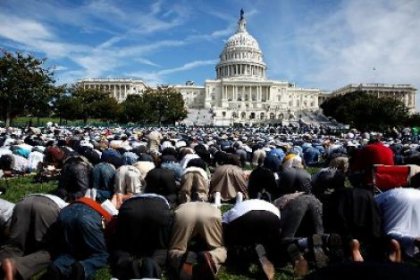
{"x":366,"y":112}
{"x":79,"y":103}
{"x":27,"y":88}
{"x":414,"y":120}
{"x":163,"y":104}
{"x":25,"y":85}
{"x":135,"y":109}
{"x":87,"y":100}
{"x":68,"y":108}
{"x":107,"y":109}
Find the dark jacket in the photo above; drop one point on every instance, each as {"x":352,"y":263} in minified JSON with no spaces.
{"x":294,"y":180}
{"x":75,"y":178}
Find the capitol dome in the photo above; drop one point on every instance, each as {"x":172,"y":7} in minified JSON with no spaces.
{"x":241,"y":56}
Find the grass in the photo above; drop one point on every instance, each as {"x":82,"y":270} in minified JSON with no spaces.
{"x":18,"y":187}
{"x":24,"y":121}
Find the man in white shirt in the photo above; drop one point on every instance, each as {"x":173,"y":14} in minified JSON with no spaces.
{"x":400,"y":209}
{"x":254,"y":223}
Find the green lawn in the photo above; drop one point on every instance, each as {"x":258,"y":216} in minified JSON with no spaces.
{"x":24,"y":121}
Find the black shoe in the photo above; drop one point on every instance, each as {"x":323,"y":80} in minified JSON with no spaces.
{"x":335,"y":248}
{"x":206,"y":268}
{"x":52,"y":273}
{"x":77,"y":271}
{"x":320,"y":258}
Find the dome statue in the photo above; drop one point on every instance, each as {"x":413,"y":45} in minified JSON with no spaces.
{"x":241,"y":56}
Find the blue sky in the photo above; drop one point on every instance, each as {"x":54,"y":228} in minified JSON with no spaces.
{"x":321,"y":44}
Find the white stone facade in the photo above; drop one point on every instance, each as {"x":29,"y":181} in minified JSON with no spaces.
{"x":241,"y":93}
{"x":403,"y":92}
{"x":117,"y":88}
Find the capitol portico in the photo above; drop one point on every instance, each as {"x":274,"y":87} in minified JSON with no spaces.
{"x":241,"y":92}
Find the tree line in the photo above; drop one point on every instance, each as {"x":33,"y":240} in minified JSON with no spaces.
{"x":28,"y":88}
{"x":367,"y":112}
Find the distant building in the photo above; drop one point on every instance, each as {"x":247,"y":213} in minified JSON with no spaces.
{"x":117,"y":88}
{"x":241,"y":92}
{"x":403,"y":92}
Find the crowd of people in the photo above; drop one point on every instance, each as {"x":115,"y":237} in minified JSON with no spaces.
{"x":185,"y":201}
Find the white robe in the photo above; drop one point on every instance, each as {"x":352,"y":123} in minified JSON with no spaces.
{"x":400,"y":210}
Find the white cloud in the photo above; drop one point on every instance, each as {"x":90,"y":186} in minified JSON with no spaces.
{"x":335,"y":47}
{"x":22,"y":30}
{"x":158,"y":77}
{"x":188,"y":66}
{"x":147,"y":48}
{"x":363,"y":35}
{"x":59,"y":68}
{"x":70,"y":77}
{"x":150,"y":78}
{"x":146,"y":61}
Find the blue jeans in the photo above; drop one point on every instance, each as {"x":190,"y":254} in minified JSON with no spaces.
{"x":103,"y":177}
{"x":83,"y":240}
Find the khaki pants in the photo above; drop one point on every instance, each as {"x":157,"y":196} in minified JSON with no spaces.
{"x":192,"y":219}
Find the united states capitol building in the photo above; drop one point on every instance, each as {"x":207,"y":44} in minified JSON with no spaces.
{"x":241,"y":92}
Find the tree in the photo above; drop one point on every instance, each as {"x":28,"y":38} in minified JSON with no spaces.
{"x":23,"y":81}
{"x":176,"y":110}
{"x":107,"y":109}
{"x":413,"y":120}
{"x":366,"y":112}
{"x":68,"y":107}
{"x":88,"y":101}
{"x":167,"y":104}
{"x":44,"y":104}
{"x":136,"y":109}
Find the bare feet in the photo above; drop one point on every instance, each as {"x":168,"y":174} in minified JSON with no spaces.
{"x":9,"y":269}
{"x":355,"y":251}
{"x":395,"y":254}
{"x":301,"y":267}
